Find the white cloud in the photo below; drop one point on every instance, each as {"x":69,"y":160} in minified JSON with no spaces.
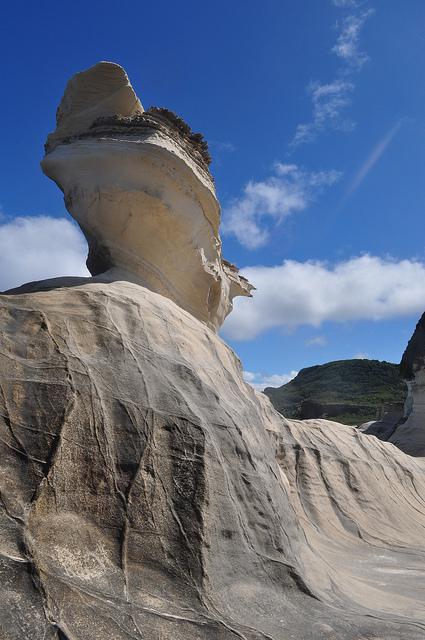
{"x":310,"y":293}
{"x":347,"y":44}
{"x":260,"y":381}
{"x":288,"y":190}
{"x":316,"y":341}
{"x":361,"y":356}
{"x":34,"y":248}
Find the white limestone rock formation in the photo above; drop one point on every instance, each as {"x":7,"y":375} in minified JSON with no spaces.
{"x":146,"y":491}
{"x":139,"y":186}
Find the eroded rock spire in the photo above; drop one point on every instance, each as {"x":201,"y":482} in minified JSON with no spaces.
{"x":138,"y":184}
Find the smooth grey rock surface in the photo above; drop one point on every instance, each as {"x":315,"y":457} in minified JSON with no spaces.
{"x":148,"y":492}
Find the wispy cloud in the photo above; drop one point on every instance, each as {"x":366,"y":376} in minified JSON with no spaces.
{"x":288,"y":190}
{"x":331,"y":99}
{"x":347,"y":44}
{"x":344,"y":3}
{"x":373,"y":158}
{"x":33,"y":248}
{"x":316,"y":341}
{"x":310,"y":293}
{"x":328,"y":103}
{"x":260,"y":380}
{"x":265,"y":203}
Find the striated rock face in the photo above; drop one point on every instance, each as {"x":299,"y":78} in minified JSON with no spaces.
{"x":148,"y":493}
{"x":139,"y":186}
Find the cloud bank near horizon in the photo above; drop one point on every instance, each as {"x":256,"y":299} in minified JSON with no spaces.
{"x":311,"y":293}
{"x":289,"y":295}
{"x":261,"y":380}
{"x":40,"y":247}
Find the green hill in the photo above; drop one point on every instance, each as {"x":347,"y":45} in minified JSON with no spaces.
{"x":348,"y":391}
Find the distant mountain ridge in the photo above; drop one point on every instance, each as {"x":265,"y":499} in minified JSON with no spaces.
{"x":348,"y":391}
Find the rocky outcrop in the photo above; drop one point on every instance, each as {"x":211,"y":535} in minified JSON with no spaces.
{"x":148,"y":492}
{"x":139,"y":186}
{"x":391,"y":417}
{"x":409,"y":436}
{"x":348,"y":391}
{"x":406,"y":429}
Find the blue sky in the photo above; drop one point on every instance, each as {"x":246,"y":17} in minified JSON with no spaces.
{"x":315,"y":114}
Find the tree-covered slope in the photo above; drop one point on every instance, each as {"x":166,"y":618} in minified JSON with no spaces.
{"x":349,"y":391}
